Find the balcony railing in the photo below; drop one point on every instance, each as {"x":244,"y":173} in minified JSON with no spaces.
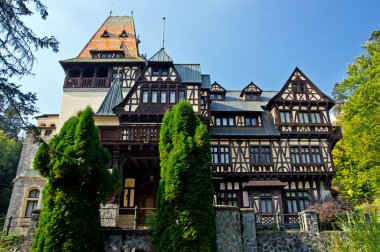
{"x":98,"y":82}
{"x":278,"y":221}
{"x":131,"y":134}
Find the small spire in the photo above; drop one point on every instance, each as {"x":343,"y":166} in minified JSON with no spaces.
{"x":111,"y":12}
{"x":132,"y":13}
{"x":163,"y":34}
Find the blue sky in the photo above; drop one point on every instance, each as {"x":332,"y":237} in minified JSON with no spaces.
{"x":235,"y":41}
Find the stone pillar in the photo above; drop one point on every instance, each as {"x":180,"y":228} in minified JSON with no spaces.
{"x":228,"y":229}
{"x":109,"y":213}
{"x":248,"y":224}
{"x":309,"y":221}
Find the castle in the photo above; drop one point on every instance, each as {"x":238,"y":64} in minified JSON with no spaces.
{"x":271,"y":150}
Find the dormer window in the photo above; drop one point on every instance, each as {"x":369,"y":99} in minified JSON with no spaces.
{"x":123,"y":34}
{"x":252,"y":97}
{"x":105,"y":34}
{"x":217,"y":97}
{"x":164,"y":72}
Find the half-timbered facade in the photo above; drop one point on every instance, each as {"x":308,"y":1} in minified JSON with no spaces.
{"x":271,"y":150}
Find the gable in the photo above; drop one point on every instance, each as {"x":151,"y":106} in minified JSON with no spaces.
{"x":251,"y":88}
{"x":299,"y":88}
{"x":215,"y":87}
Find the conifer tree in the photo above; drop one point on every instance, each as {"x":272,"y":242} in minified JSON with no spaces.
{"x":185,"y":218}
{"x":75,"y":164}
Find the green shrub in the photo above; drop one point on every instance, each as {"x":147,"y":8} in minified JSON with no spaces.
{"x":185,"y":218}
{"x":361,"y":235}
{"x":76,"y":166}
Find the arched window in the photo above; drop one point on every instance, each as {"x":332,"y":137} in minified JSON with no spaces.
{"x":31,"y":202}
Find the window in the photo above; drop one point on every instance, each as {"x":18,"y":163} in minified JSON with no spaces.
{"x":231,"y":121}
{"x":172,"y":97}
{"x":285,"y":117}
{"x":303,"y":117}
{"x":266,"y":202}
{"x":164,"y":72}
{"x":295,"y":155}
{"x":218,"y":121}
{"x":228,"y":198}
{"x":224,"y":121}
{"x":123,"y":34}
{"x":223,"y":157}
{"x":32,"y":202}
{"x":129,"y":192}
{"x":252,"y":97}
{"x":214,"y":155}
{"x":315,"y":117}
{"x":155,"y":71}
{"x":181,"y":95}
{"x":261,"y":154}
{"x":315,"y":155}
{"x":305,"y":155}
{"x":299,"y":87}
{"x":216,"y":97}
{"x":48,"y":132}
{"x":251,"y":121}
{"x":145,"y":96}
{"x":296,"y":201}
{"x":163,"y":96}
{"x":203,"y":101}
{"x":154,"y":96}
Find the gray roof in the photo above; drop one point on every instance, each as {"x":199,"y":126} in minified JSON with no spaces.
{"x":234,"y":103}
{"x":189,"y":73}
{"x":113,"y":98}
{"x":161,"y":56}
{"x":267,"y":130}
{"x":206,"y":81}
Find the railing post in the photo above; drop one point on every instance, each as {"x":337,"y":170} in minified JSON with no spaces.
{"x":135,"y":223}
{"x":277,"y":219}
{"x":9,"y":225}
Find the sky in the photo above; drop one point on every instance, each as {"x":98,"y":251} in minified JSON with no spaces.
{"x":235,"y":41}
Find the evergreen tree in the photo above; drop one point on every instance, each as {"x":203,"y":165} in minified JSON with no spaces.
{"x":10,"y":150}
{"x":18,"y":44}
{"x":185,"y":218}
{"x":75,"y":164}
{"x":357,"y":155}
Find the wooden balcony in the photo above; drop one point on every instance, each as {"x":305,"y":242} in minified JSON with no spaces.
{"x":131,"y":134}
{"x":73,"y":82}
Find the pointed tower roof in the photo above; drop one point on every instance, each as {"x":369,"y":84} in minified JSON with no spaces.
{"x":113,"y":98}
{"x":116,"y":34}
{"x":161,"y":56}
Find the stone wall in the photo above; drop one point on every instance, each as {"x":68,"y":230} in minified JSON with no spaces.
{"x":128,"y":240}
{"x":228,"y":229}
{"x":295,"y":241}
{"x":26,"y":179}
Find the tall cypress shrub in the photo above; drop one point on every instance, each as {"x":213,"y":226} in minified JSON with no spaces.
{"x":75,"y":164}
{"x":185,"y":218}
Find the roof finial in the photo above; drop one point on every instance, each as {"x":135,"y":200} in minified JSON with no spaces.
{"x":111,"y":12}
{"x":132,"y":13}
{"x":163,"y":34}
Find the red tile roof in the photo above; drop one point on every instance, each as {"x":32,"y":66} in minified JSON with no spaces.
{"x":114,"y":26}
